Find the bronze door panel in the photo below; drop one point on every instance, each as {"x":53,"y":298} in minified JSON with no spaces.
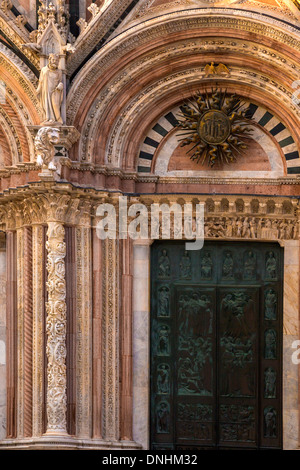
{"x":216,"y":347}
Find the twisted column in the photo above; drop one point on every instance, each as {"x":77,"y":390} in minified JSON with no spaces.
{"x":56,"y":331}
{"x":28,"y":332}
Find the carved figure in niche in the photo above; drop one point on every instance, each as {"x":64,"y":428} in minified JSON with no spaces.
{"x":51,"y":90}
{"x":186,"y":267}
{"x":206,"y":266}
{"x":239,"y":224}
{"x":227,"y":271}
{"x":163,"y":344}
{"x":164,"y":302}
{"x":250,"y":266}
{"x":271,"y":266}
{"x":163,"y":379}
{"x":44,"y":145}
{"x":270,"y":383}
{"x":163,"y":418}
{"x":246,"y":228}
{"x":270,"y":422}
{"x":164,"y":265}
{"x":270,"y":304}
{"x":270,"y":344}
{"x":230,"y":228}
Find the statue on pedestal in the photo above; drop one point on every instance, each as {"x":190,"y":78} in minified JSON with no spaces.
{"x":51,"y":90}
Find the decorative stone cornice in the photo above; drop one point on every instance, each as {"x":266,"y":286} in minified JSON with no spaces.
{"x":41,"y":203}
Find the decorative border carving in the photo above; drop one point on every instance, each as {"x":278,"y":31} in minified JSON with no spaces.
{"x":38,"y":327}
{"x":110,"y":332}
{"x":83,"y":332}
{"x":216,"y":18}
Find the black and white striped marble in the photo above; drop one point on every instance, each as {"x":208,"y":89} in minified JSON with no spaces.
{"x":259,"y":114}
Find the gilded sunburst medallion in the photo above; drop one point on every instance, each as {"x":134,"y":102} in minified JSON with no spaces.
{"x":217,"y":126}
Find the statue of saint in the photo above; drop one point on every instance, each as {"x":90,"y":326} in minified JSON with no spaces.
{"x":50,"y":90}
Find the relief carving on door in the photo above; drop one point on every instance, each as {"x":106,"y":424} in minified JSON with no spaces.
{"x":216,"y":348}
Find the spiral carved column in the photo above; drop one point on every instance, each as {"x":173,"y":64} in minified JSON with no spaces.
{"x":56,"y":331}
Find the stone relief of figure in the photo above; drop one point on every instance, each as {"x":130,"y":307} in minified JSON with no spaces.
{"x":51,"y":90}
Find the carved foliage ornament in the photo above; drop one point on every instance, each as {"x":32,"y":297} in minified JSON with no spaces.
{"x":215,"y":126}
{"x":56,"y":329}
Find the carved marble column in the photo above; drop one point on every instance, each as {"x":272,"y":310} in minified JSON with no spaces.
{"x":28,"y":332}
{"x":3,"y":338}
{"x":38,"y":311}
{"x":290,"y":379}
{"x":83,"y":332}
{"x":126,"y":340}
{"x":11,"y":307}
{"x":56,"y":331}
{"x":110,"y":334}
{"x":97,"y":337}
{"x":20,"y":333}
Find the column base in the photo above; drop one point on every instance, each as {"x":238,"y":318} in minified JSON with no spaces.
{"x":55,"y":442}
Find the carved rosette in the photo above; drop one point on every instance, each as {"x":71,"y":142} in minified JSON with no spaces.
{"x":56,"y":330}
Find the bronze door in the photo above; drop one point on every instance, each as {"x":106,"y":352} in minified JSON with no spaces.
{"x":216,"y":346}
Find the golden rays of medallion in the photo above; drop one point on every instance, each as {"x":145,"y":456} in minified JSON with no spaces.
{"x":216,"y":125}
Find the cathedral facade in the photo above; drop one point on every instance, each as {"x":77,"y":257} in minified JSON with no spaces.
{"x":128,"y":129}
